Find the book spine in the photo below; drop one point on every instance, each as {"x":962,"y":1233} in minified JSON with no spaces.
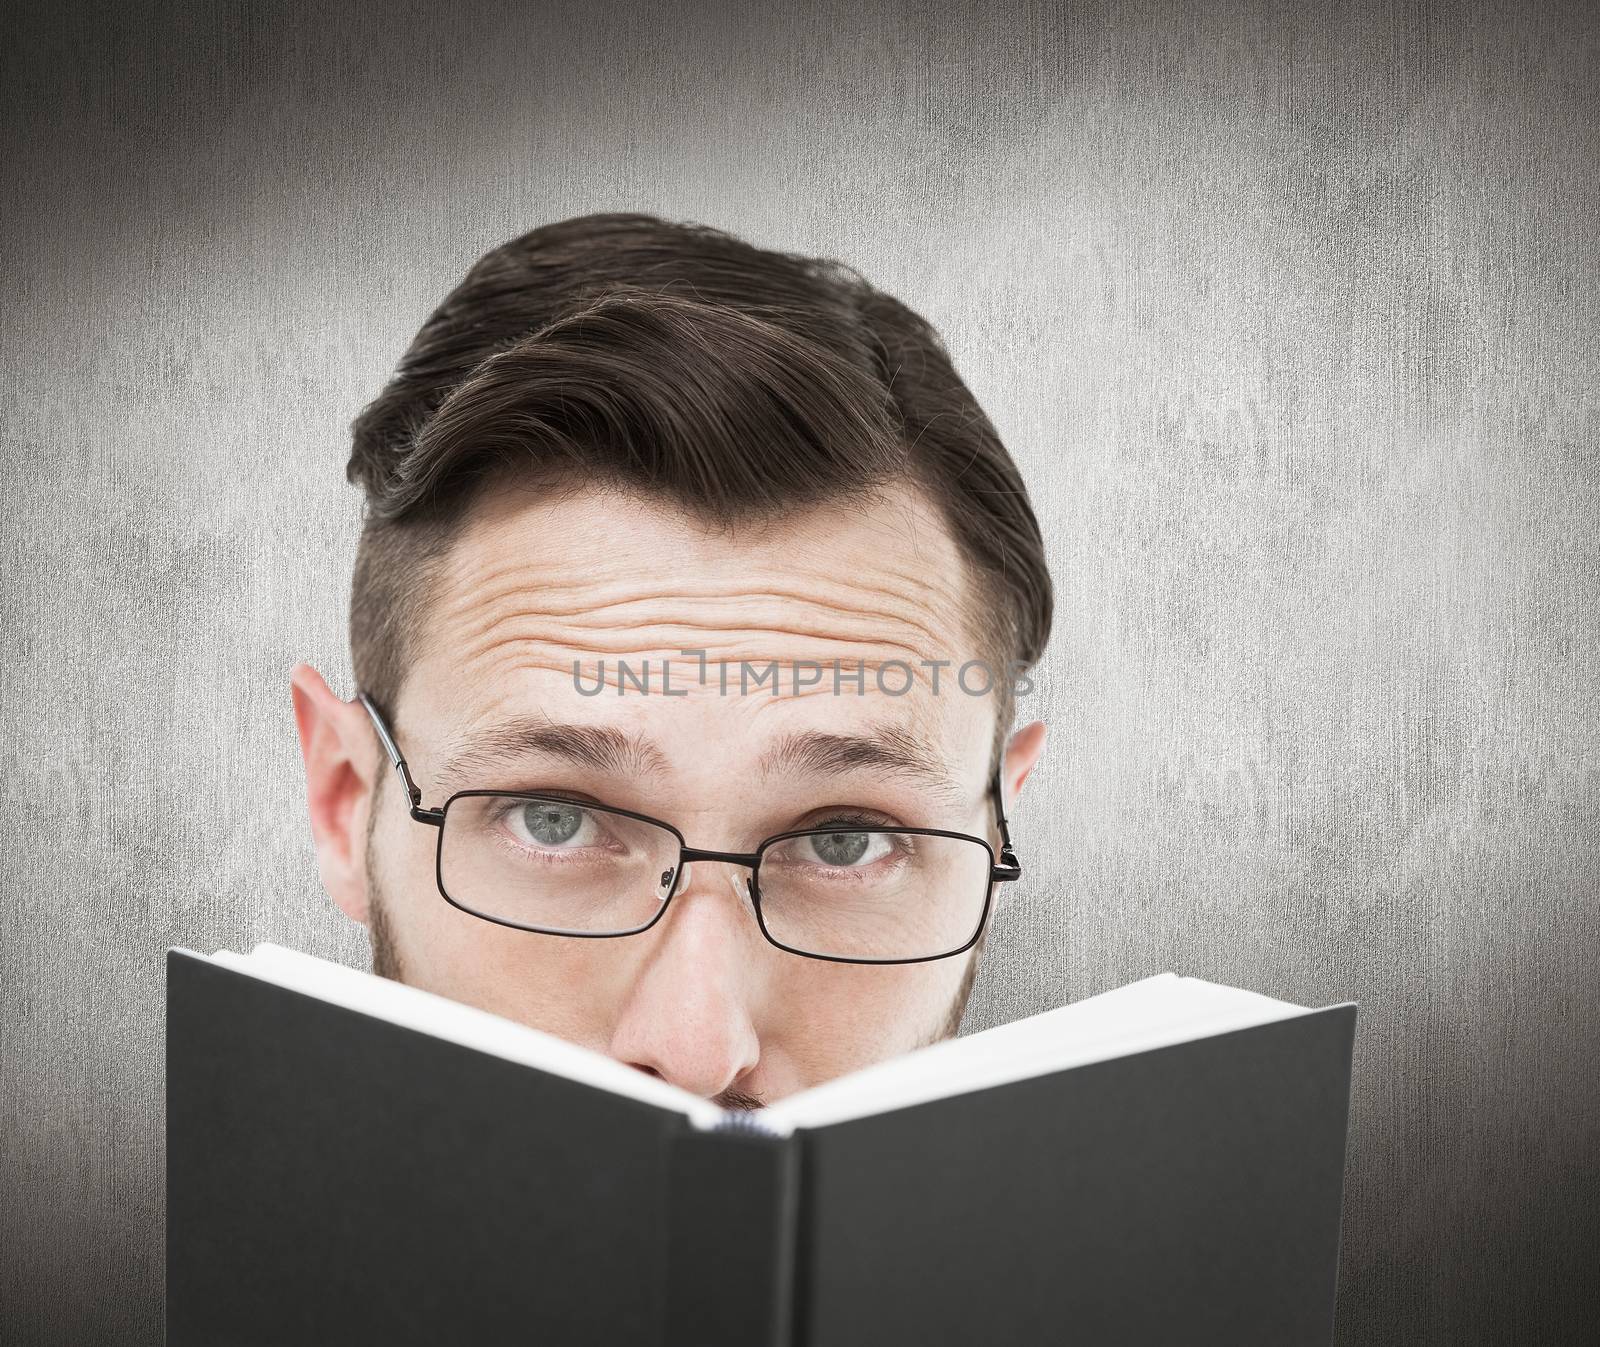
{"x":732,"y":1218}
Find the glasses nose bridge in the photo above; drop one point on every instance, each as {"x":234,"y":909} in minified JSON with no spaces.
{"x":748,"y":859}
{"x":742,"y":885}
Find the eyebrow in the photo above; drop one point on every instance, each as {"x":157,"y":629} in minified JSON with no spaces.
{"x":599,"y":748}
{"x":883,"y":748}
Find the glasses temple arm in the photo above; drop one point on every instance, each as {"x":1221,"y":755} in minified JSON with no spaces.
{"x":413,"y":794}
{"x":1010,"y":866}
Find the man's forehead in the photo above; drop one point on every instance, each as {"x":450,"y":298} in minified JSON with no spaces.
{"x":591,"y":574}
{"x":544,"y":602}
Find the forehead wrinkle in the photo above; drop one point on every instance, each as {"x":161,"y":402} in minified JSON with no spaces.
{"x":590,"y":631}
{"x":855,"y":626}
{"x":479,"y":611}
{"x":901,"y":534}
{"x":671,"y":639}
{"x":477,"y":568}
{"x":871,"y":602}
{"x":582,"y":605}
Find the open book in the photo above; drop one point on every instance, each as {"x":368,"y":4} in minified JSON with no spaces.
{"x":351,"y":1159}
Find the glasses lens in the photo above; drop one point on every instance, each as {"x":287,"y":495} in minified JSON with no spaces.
{"x":876,"y":894}
{"x":555,"y":865}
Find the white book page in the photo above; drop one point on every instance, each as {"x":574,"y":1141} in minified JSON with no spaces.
{"x":1152,"y":1013}
{"x":458,"y":1023}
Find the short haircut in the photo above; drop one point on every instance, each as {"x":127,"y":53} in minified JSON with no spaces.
{"x":676,"y":360}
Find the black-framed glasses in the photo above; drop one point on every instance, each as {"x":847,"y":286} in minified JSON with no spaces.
{"x":844,"y":892}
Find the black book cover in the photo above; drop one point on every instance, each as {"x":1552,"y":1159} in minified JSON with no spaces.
{"x":335,"y":1178}
{"x":1189,"y":1194}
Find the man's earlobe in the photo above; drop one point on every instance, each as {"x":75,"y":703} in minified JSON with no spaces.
{"x":336,"y":744}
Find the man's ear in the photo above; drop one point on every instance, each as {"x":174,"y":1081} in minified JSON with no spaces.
{"x":1022,"y":752}
{"x":337,"y":743}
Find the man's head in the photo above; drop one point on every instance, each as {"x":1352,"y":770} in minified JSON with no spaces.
{"x":617,"y":441}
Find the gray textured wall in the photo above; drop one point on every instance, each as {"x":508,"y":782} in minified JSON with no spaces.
{"x":1289,"y":314}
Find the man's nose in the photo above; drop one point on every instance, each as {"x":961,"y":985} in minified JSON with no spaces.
{"x":688,"y":1015}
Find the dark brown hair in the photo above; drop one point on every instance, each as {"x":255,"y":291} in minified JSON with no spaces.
{"x":675,"y":359}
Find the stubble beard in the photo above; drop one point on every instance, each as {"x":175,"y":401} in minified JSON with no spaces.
{"x":385,"y":952}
